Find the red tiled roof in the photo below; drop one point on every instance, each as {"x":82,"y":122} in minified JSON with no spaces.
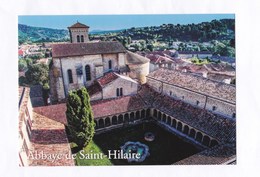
{"x":94,"y":88}
{"x":102,"y":108}
{"x":78,"y":25}
{"x":217,"y":155}
{"x":20,"y":52}
{"x":214,"y":125}
{"x":49,"y":136}
{"x":90,"y":48}
{"x":196,"y":83}
{"x":55,"y":112}
{"x":107,"y":78}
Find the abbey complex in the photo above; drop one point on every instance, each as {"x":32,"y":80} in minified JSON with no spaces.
{"x":125,"y":92}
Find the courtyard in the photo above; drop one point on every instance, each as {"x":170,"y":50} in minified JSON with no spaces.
{"x":165,"y":149}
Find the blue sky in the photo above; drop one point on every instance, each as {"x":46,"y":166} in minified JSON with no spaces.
{"x":113,"y":22}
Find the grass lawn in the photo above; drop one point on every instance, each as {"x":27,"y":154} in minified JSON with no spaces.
{"x":164,"y":150}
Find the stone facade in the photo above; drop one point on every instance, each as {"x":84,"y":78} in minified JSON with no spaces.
{"x":79,"y":64}
{"x":221,"y":102}
{"x":139,"y":71}
{"x":129,"y":87}
{"x":78,"y":33}
{"x":25,"y":125}
{"x":186,"y":96}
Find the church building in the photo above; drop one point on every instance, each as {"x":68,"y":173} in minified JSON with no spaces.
{"x":81,"y":63}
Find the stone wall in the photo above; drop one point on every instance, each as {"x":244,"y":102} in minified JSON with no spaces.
{"x":194,"y":98}
{"x":121,"y":59}
{"x":72,"y":62}
{"x":139,"y":71}
{"x":56,"y":82}
{"x":156,"y":85}
{"x":221,"y":107}
{"x":187,"y":96}
{"x":129,"y":88}
{"x":114,"y":60}
{"x":25,"y":125}
{"x":96,"y":96}
{"x":79,"y":31}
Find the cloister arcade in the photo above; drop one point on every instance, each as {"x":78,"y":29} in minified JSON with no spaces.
{"x":137,"y":116}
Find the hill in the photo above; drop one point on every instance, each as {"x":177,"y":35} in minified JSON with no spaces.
{"x":223,"y":29}
{"x":39,"y":34}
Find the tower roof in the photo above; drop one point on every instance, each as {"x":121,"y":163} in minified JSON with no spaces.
{"x":78,"y":25}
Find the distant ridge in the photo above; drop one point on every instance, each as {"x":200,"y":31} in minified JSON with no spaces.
{"x":41,"y":34}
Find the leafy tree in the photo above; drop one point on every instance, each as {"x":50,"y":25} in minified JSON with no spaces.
{"x":22,"y":65}
{"x":81,"y":125}
{"x":37,"y":74}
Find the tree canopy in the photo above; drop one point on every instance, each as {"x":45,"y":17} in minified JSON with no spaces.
{"x":37,"y":74}
{"x":81,"y":125}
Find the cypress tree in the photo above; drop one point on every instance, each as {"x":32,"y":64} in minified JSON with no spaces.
{"x":81,"y":125}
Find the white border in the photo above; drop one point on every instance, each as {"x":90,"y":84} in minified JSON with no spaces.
{"x":248,"y":62}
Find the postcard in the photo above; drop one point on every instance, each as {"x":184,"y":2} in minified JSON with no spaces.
{"x":102,"y":90}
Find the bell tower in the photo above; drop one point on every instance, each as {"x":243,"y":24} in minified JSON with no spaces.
{"x":78,"y":33}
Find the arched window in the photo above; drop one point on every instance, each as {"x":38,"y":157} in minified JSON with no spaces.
{"x":120,"y":119}
{"x":117,"y":92}
{"x":179,"y":126}
{"x":82,"y":38}
{"x":110,"y":64}
{"x":192,"y":133}
{"x":78,"y":39}
{"x":114,"y":120}
{"x":70,"y":76}
{"x":88,"y":73}
{"x":121,"y":91}
{"x":199,"y":136}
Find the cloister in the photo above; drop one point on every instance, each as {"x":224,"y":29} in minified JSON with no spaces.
{"x":173,"y":124}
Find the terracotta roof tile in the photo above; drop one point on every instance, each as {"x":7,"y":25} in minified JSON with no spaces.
{"x":107,"y":78}
{"x":78,"y":25}
{"x":221,"y":128}
{"x":49,"y":137}
{"x":196,"y":83}
{"x":102,"y":108}
{"x":90,"y":48}
{"x":94,"y":88}
{"x":217,"y":155}
{"x":54,"y":112}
